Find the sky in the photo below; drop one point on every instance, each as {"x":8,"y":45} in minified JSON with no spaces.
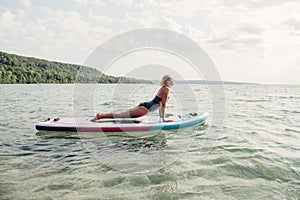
{"x":248,"y":41}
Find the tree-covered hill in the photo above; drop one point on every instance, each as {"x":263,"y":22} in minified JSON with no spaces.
{"x":21,"y":69}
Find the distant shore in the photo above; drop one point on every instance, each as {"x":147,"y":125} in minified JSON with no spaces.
{"x":210,"y":82}
{"x":15,"y":69}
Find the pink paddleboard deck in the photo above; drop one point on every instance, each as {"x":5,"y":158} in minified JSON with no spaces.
{"x":120,"y":125}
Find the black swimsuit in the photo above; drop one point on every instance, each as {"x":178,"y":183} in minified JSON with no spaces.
{"x":152,"y":105}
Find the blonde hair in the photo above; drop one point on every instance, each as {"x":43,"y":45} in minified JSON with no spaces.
{"x":164,"y":80}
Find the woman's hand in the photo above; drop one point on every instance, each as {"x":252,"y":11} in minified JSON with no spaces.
{"x":166,"y":119}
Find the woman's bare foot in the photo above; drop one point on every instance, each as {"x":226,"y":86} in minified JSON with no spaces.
{"x":98,"y":116}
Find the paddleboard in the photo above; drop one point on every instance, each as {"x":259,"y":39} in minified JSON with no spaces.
{"x":119,"y":124}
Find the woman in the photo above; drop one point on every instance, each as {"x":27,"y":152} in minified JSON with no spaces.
{"x":159,"y":102}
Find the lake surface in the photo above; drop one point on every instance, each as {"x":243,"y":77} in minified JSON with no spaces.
{"x":256,"y":155}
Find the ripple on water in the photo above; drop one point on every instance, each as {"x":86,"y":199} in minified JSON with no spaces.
{"x":255,"y":156}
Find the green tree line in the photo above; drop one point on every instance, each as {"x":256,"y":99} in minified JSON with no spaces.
{"x":27,"y":70}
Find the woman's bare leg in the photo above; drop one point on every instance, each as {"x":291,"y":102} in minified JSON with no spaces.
{"x":131,"y":113}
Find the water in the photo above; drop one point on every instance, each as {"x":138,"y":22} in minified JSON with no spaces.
{"x":256,"y":156}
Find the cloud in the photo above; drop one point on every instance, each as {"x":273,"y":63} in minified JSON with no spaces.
{"x":192,"y":9}
{"x":26,"y":3}
{"x":3,"y":39}
{"x":16,"y":4}
{"x":239,"y":39}
{"x":54,"y":34}
{"x":205,"y":22}
{"x":254,"y":4}
{"x":9,"y":23}
{"x":293,"y":23}
{"x":293,"y":26}
{"x":100,"y":19}
{"x":60,"y":31}
{"x":97,"y":3}
{"x":251,"y":29}
{"x":127,"y":3}
{"x":150,"y":19}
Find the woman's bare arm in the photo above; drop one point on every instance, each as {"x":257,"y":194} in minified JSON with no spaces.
{"x":162,"y":109}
